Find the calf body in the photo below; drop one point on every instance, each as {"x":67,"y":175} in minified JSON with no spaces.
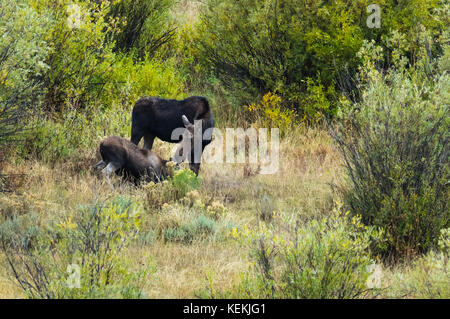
{"x":125,"y":158}
{"x":156,"y":117}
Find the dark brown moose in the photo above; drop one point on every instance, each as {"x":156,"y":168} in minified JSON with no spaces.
{"x":156,"y":117}
{"x":125,"y":158}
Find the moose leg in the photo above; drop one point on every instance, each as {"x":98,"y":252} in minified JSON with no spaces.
{"x":108,"y":170}
{"x":136,"y":137}
{"x":136,"y":132}
{"x":100,"y":165}
{"x":195,"y":167}
{"x":148,"y":141}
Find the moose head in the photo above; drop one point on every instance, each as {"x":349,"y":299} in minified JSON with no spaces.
{"x":187,"y":147}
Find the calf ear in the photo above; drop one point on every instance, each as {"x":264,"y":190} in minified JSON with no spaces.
{"x":186,"y":121}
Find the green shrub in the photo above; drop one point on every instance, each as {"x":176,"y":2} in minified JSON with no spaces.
{"x":43,"y":260}
{"x":87,"y":90}
{"x":23,"y":53}
{"x":210,"y":208}
{"x":198,"y":228}
{"x":149,"y":77}
{"x":396,"y":148}
{"x":185,"y":180}
{"x":215,"y":210}
{"x":254,"y":47}
{"x":60,"y":45}
{"x":269,"y":113}
{"x":257,"y":47}
{"x":300,"y":49}
{"x":80,"y":57}
{"x":188,"y":220}
{"x":49,"y":140}
{"x":159,"y":194}
{"x":328,"y":258}
{"x":145,"y":26}
{"x":173,"y":189}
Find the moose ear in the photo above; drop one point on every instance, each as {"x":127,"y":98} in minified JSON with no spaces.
{"x":186,"y":121}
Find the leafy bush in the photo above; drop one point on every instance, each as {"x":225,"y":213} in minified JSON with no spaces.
{"x":216,"y":210}
{"x":66,"y":61}
{"x":79,"y":57}
{"x":42,"y":260}
{"x":300,"y":49}
{"x":198,"y":228}
{"x":160,"y":194}
{"x":145,"y":26}
{"x":275,"y":45}
{"x":396,"y":148}
{"x":51,"y":140}
{"x":149,"y":77}
{"x":174,"y":188}
{"x":184,"y":180}
{"x":211,"y":209}
{"x":329,"y":258}
{"x":23,"y":53}
{"x":269,"y":113}
{"x":187,"y":220}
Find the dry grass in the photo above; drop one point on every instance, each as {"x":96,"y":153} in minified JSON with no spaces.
{"x":184,"y":269}
{"x":308,"y":164}
{"x":9,"y":289}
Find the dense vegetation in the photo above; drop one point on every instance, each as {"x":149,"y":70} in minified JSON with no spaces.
{"x":363,"y":109}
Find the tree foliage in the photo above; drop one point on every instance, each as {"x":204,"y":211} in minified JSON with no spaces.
{"x":80,"y":57}
{"x":301,"y":50}
{"x":23,"y":53}
{"x":145,"y":26}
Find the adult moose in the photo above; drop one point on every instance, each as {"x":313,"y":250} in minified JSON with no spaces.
{"x":123,"y":157}
{"x":156,"y":117}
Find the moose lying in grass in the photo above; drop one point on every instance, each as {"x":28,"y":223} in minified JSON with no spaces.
{"x":121,"y":156}
{"x":156,"y":117}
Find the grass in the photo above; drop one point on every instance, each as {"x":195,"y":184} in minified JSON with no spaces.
{"x":310,"y":174}
{"x":189,"y":267}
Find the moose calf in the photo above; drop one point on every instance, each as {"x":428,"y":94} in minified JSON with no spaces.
{"x":125,"y":158}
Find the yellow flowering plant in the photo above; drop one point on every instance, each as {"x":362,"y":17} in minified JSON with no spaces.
{"x":78,"y":257}
{"x":270,"y":113}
